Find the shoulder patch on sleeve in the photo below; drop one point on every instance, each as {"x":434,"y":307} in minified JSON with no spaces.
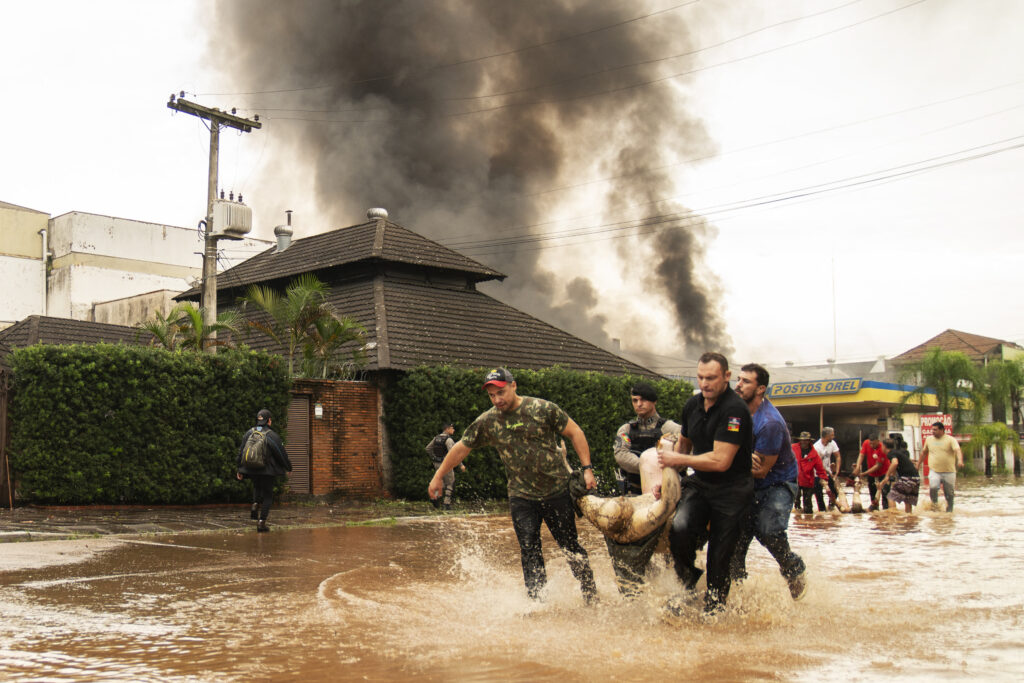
{"x":733,"y":425}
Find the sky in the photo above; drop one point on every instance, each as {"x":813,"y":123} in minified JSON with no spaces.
{"x":861,"y":187}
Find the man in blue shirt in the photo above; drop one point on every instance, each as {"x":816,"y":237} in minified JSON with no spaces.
{"x":774,"y":469}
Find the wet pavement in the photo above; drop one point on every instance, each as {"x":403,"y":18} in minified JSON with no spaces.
{"x":48,"y":523}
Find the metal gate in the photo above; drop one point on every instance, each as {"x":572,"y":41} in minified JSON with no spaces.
{"x":300,"y":478}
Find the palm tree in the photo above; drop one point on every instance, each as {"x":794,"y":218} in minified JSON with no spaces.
{"x":164,"y":328}
{"x":291,"y":319}
{"x":197,"y":335}
{"x":955,"y":380}
{"x":322,"y":348}
{"x":183,"y":328}
{"x":994,"y":434}
{"x":1004,"y":384}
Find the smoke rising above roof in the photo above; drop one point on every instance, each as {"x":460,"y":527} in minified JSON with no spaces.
{"x":461,"y":117}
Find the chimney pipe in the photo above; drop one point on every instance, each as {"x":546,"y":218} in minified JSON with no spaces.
{"x":284,"y":234}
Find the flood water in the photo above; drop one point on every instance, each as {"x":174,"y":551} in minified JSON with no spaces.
{"x":892,"y":597}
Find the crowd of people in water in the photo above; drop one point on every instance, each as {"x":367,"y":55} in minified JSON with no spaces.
{"x":742,"y":475}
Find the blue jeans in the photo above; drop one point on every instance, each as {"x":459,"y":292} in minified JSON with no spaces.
{"x":768,"y":522}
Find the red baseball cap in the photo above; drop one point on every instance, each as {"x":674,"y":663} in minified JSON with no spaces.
{"x":499,"y":377}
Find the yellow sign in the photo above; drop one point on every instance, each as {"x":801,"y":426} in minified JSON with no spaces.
{"x":815,"y":388}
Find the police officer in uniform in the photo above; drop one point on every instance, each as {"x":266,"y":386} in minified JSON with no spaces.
{"x":636,"y":436}
{"x":437,"y":448}
{"x":629,"y":560}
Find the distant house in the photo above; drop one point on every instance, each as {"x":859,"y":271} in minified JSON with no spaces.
{"x":978,"y":348}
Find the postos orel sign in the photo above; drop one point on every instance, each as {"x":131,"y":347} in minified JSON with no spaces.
{"x":815,"y":388}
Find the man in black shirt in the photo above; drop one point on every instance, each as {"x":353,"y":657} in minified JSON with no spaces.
{"x":717,"y":441}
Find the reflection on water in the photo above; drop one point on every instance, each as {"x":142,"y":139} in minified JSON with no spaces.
{"x":892,"y":596}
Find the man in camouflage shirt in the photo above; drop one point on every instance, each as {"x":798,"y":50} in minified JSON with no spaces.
{"x":525,"y":431}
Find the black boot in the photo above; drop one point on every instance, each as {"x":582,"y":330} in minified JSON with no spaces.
{"x":261,"y":526}
{"x":254,"y":512}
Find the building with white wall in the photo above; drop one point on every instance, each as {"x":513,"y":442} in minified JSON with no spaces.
{"x":99,"y":268}
{"x":22,"y":267}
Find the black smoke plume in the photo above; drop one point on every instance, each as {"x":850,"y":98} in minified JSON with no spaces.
{"x":461,"y":117}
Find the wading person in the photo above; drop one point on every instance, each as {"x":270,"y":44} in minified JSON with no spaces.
{"x":944,"y":457}
{"x":262,"y":458}
{"x":873,"y":457}
{"x":629,"y":560}
{"x":774,"y":469}
{"x":716,"y":441}
{"x":832,"y":460}
{"x":437,"y":448}
{"x":808,"y":463}
{"x":525,"y":431}
{"x":902,"y":472}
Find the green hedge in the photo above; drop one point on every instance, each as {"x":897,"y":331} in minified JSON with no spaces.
{"x":111,"y":424}
{"x":422,"y":400}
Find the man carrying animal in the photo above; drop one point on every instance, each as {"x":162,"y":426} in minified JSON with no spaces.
{"x":263,"y":459}
{"x":629,"y":560}
{"x":525,"y":431}
{"x":832,"y":460}
{"x":774,"y":469}
{"x":716,"y":441}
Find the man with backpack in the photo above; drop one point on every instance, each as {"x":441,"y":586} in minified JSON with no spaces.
{"x":437,"y":448}
{"x":263,"y":459}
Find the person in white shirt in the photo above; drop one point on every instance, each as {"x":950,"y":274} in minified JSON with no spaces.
{"x":827,"y":447}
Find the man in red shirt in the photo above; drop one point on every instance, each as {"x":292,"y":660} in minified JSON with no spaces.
{"x":873,"y":462}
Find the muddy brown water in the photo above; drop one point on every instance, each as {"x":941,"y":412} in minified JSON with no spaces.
{"x":926,"y":596}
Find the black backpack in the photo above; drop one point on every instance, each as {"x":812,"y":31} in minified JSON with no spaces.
{"x":254,"y":455}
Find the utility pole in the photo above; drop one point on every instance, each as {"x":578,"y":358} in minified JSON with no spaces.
{"x":217,"y":118}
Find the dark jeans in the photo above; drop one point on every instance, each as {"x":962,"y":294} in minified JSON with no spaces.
{"x":726,"y":507}
{"x":557,"y":513}
{"x":768,"y":521}
{"x":817,"y":492}
{"x":833,"y":489}
{"x":873,"y":483}
{"x":263,"y":492}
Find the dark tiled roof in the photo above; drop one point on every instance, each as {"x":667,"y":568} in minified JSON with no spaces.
{"x":40,"y":329}
{"x":379,"y":240}
{"x":411,"y":323}
{"x":975,"y":346}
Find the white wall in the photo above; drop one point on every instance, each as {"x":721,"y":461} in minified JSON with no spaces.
{"x":22,"y":280}
{"x":102,"y":258}
{"x":121,"y":238}
{"x":75,"y":289}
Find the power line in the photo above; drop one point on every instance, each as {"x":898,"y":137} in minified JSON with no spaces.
{"x":654,"y":223}
{"x":765,"y":143}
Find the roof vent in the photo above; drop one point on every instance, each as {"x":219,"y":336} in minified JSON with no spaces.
{"x":284,"y":234}
{"x":377,"y":214}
